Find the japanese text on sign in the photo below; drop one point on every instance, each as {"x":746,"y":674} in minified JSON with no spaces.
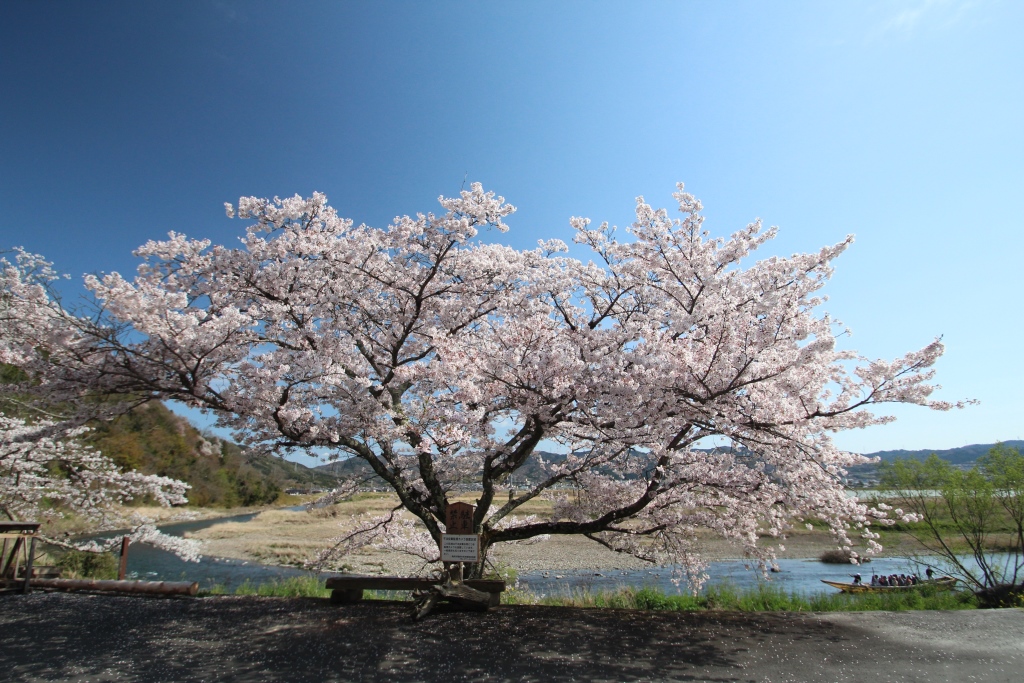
{"x":459,"y":518}
{"x":460,"y":548}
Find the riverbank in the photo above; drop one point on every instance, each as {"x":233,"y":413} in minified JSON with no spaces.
{"x":290,"y":537}
{"x":162,"y":515}
{"x":100,"y":638}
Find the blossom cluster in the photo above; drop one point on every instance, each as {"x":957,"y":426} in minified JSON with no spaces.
{"x":46,"y":471}
{"x":440,"y":359}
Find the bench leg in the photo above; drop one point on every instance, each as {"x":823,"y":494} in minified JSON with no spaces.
{"x":495,"y":599}
{"x":346,"y":596}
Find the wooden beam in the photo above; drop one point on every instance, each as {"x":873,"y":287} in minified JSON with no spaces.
{"x":139,"y":587}
{"x":396,"y":583}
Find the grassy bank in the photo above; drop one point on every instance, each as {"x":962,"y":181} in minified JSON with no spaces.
{"x":759,"y":599}
{"x":719,"y":597}
{"x":294,"y":587}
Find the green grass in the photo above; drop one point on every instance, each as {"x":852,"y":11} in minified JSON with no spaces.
{"x":295,"y":587}
{"x":718,"y":597}
{"x":309,"y":586}
{"x":760,"y":599}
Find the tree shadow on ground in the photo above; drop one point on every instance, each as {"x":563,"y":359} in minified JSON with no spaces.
{"x":100,"y":638}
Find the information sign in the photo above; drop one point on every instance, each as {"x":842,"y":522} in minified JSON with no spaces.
{"x":459,"y":518}
{"x":460,"y":548}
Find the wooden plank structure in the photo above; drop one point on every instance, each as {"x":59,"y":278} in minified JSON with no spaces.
{"x":20,"y":538}
{"x":348,"y":589}
{"x":17,"y":573}
{"x":189,"y":588}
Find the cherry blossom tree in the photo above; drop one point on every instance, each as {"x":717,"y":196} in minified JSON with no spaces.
{"x":46,"y":471}
{"x":438,"y":359}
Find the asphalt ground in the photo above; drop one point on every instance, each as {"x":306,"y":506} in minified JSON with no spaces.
{"x":78,"y":637}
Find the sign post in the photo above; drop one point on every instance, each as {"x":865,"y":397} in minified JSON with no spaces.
{"x":459,"y":544}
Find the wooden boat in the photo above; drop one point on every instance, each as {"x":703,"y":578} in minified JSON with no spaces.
{"x":941,"y":583}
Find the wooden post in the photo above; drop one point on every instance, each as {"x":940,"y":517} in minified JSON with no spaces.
{"x":10,"y":570}
{"x":28,"y":564}
{"x":123,"y":567}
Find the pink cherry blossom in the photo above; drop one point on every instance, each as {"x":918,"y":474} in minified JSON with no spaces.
{"x":444,"y":362}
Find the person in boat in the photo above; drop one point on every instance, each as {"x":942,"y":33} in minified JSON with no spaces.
{"x":857,"y":580}
{"x":929,"y":573}
{"x":874,"y":579}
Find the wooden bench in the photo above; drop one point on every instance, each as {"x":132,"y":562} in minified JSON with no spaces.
{"x":349,"y":589}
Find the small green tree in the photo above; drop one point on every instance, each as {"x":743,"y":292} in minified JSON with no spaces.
{"x":972,"y":520}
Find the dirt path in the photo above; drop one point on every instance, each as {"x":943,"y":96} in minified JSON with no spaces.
{"x":53,"y":637}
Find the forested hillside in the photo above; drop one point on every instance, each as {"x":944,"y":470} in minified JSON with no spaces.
{"x":154,"y":440}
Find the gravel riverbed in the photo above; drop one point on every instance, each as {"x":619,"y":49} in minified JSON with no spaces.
{"x":287,"y":537}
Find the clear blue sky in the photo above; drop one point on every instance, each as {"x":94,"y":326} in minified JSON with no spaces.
{"x":901,"y":122}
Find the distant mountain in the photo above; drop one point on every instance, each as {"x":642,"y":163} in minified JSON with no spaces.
{"x":533,"y":472}
{"x":964,"y":455}
{"x":354,"y":467}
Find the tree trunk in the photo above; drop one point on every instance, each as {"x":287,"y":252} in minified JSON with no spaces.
{"x":475,"y":570}
{"x":458,"y":594}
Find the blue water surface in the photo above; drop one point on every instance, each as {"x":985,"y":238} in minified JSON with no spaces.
{"x":152,"y":564}
{"x":801,"y":576}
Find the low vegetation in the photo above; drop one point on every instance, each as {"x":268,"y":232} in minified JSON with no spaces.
{"x":310,"y":586}
{"x":77,"y":564}
{"x":719,"y":597}
{"x":759,"y":599}
{"x":837,"y":556}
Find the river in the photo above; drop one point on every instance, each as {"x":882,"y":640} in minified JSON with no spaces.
{"x":801,"y":576}
{"x":152,"y":564}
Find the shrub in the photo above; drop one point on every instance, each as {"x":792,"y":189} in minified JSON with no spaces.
{"x":78,"y":564}
{"x":835,"y":556}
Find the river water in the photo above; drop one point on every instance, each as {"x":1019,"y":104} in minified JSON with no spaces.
{"x":152,"y":564}
{"x":798,"y":576}
{"x":801,"y":576}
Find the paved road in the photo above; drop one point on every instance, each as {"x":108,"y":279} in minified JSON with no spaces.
{"x":74,"y":637}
